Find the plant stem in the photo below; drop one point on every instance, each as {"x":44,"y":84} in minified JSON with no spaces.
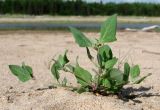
{"x":66,"y":70}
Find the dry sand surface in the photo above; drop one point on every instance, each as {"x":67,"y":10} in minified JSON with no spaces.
{"x":37,"y":48}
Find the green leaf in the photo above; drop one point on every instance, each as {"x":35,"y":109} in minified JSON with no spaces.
{"x":141,"y":79}
{"x":27,"y":69}
{"x":108,"y":30}
{"x":104,"y":54}
{"x":106,"y":83}
{"x":126,"y":72}
{"x":63,"y":59}
{"x":135,"y":71}
{"x":23,"y":73}
{"x":80,"y":38}
{"x":54,"y":69}
{"x":99,"y":58}
{"x":15,"y":69}
{"x":117,"y":76}
{"x":83,"y":76}
{"x":110,"y":63}
{"x":59,"y":64}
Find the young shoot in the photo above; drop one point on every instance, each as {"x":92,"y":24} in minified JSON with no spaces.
{"x":108,"y":78}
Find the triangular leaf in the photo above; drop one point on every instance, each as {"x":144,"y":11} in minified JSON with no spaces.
{"x":106,"y":83}
{"x":59,"y":64}
{"x":104,"y":54}
{"x":27,"y":69}
{"x":99,"y":58}
{"x":80,"y":38}
{"x":83,"y":76}
{"x":15,"y":69}
{"x":63,"y":59}
{"x":110,"y":63}
{"x":116,"y":75}
{"x":108,"y":30}
{"x":126,"y":72}
{"x":23,"y":73}
{"x":135,"y":71}
{"x":54,"y":69}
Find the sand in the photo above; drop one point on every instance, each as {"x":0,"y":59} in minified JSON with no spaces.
{"x":37,"y":48}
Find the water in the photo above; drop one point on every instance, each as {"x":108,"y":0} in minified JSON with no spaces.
{"x":45,"y":26}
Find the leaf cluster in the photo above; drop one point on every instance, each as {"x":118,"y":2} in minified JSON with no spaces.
{"x":107,"y":79}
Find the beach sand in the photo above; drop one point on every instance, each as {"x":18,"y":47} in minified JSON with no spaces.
{"x":37,"y":48}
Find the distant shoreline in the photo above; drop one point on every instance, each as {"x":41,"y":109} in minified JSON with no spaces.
{"x":64,"y":26}
{"x":74,"y":19}
{"x":89,"y":23}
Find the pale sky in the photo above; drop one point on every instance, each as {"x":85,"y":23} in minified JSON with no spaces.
{"x":130,"y":1}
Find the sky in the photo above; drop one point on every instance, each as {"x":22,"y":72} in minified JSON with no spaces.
{"x":130,"y":1}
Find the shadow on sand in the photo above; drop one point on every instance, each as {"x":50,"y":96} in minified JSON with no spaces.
{"x":131,"y":93}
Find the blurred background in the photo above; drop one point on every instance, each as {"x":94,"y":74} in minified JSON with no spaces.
{"x":84,"y":14}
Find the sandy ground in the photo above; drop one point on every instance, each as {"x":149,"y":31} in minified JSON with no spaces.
{"x":37,"y":48}
{"x":66,"y":19}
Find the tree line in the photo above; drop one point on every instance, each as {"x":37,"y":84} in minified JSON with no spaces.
{"x":78,"y":7}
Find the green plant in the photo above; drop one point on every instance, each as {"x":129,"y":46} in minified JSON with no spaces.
{"x":24,"y":72}
{"x":107,"y":78}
